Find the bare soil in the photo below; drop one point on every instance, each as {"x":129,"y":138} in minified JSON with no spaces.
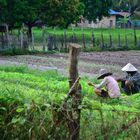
{"x":89,"y":63}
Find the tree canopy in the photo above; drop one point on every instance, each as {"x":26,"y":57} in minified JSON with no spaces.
{"x":59,"y":13}
{"x":96,"y":8}
{"x":62,"y":12}
{"x":131,"y":6}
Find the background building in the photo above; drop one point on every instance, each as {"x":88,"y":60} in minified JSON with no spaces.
{"x":114,"y":19}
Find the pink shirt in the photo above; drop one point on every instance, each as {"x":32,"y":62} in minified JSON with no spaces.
{"x":111,"y":85}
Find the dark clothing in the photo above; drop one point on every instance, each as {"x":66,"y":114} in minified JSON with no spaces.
{"x":104,"y":93}
{"x":135,"y":79}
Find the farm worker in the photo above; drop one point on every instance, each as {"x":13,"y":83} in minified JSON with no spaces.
{"x":111,"y":90}
{"x":131,"y":83}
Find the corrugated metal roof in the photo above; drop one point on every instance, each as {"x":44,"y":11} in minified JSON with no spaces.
{"x":112,"y":12}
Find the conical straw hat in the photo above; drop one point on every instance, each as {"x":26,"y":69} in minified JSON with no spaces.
{"x":129,"y":67}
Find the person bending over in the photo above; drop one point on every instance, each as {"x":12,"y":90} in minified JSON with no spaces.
{"x":111,"y":90}
{"x":131,"y":83}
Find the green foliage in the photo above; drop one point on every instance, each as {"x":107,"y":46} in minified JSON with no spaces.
{"x":31,"y":100}
{"x":96,"y":8}
{"x":54,"y":13}
{"x":127,"y":5}
{"x":16,"y":12}
{"x":2,"y":10}
{"x":62,"y":13}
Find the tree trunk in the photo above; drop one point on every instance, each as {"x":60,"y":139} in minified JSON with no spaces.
{"x":67,"y":25}
{"x":30,"y":33}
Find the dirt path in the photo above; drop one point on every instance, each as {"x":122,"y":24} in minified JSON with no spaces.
{"x":89,"y":63}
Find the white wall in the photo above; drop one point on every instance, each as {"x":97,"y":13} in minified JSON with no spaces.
{"x":104,"y":23}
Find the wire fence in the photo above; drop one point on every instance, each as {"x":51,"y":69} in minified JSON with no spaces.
{"x":110,"y":125}
{"x":44,"y":41}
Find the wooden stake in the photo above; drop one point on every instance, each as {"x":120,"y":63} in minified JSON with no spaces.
{"x":93,"y":39}
{"x":75,"y":88}
{"x":7,"y":35}
{"x":21,"y":39}
{"x":44,"y":38}
{"x":65,"y":40}
{"x":83,"y":40}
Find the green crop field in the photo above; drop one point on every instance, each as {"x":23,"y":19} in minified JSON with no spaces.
{"x":31,"y":99}
{"x":88,"y":34}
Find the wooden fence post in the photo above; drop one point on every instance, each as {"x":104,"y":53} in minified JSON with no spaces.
{"x":50,"y":42}
{"x":2,"y":41}
{"x":135,"y":37}
{"x":102,"y":41}
{"x":93,"y":39}
{"x":54,"y":41}
{"x":83,"y":40}
{"x":126,"y":41}
{"x":139,"y":43}
{"x":119,"y":40}
{"x":21,"y":39}
{"x":33,"y":41}
{"x":43,"y":37}
{"x":110,"y":39}
{"x":7,"y":35}
{"x":73,"y":70}
{"x":62,"y":42}
{"x":74,"y":93}
{"x":65,"y":40}
{"x":74,"y":37}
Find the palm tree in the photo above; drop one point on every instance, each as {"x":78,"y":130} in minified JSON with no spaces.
{"x":133,"y":5}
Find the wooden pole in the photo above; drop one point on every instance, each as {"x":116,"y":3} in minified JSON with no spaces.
{"x":21,"y":39}
{"x":43,"y":37}
{"x":2,"y":40}
{"x":110,"y":39}
{"x":7,"y":35}
{"x":102,"y":41}
{"x":139,"y":43}
{"x":72,"y":121}
{"x":33,"y":41}
{"x":83,"y":40}
{"x":119,"y":40}
{"x":65,"y":40}
{"x":135,"y":37}
{"x":54,"y":40}
{"x":73,"y":55}
{"x":93,"y":39}
{"x":126,"y":42}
